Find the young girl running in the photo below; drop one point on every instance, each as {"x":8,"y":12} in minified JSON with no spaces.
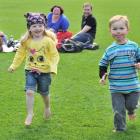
{"x":38,"y":46}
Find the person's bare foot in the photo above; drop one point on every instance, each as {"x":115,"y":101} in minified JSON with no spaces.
{"x":132,"y":117}
{"x":28,"y":119}
{"x":47,"y":113}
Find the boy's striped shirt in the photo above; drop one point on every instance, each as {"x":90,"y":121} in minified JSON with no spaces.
{"x":123,"y":76}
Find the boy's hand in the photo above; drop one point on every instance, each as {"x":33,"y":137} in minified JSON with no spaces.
{"x":10,"y":70}
{"x":137,"y":65}
{"x":103,"y":80}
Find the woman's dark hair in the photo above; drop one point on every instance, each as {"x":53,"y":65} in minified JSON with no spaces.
{"x":56,"y":6}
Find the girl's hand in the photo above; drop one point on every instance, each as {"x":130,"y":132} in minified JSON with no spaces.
{"x":137,"y":65}
{"x":103,"y":80}
{"x":10,"y":70}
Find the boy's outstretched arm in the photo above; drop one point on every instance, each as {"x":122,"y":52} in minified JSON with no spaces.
{"x":102,"y":74}
{"x":103,"y":65}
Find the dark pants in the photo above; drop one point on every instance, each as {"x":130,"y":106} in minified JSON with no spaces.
{"x":84,"y":38}
{"x":121,"y":103}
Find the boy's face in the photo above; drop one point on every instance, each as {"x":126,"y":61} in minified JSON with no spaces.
{"x":37,"y":30}
{"x":119,"y":30}
{"x":87,"y":11}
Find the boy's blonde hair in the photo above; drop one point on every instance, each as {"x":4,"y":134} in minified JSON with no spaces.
{"x":47,"y":33}
{"x":118,"y":18}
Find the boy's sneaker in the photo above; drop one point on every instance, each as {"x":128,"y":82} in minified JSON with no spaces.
{"x":47,"y":113}
{"x":29,"y":119}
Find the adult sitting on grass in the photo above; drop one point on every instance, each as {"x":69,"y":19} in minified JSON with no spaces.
{"x":56,"y":20}
{"x":85,"y":37}
{"x":58,"y":23}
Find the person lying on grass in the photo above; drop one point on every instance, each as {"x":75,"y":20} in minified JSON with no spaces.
{"x":3,"y":44}
{"x":38,"y":46}
{"x":123,"y":56}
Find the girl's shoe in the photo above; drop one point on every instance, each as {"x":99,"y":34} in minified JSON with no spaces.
{"x":29,"y":119}
{"x":47,"y":113}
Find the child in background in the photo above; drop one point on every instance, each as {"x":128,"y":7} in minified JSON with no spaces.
{"x":123,"y":57}
{"x":38,"y":46}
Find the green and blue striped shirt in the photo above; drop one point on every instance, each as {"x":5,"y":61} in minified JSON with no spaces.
{"x":123,"y":76}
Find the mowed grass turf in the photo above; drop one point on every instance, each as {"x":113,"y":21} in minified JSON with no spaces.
{"x":81,"y":107}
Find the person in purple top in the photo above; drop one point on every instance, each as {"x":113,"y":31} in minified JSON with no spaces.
{"x":56,"y":20}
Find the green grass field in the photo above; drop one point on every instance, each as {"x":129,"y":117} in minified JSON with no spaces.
{"x":81,"y":107}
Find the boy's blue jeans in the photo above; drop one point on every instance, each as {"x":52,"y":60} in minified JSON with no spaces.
{"x":120,"y":103}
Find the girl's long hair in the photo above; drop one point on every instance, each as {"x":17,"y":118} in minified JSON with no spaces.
{"x":47,"y":33}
